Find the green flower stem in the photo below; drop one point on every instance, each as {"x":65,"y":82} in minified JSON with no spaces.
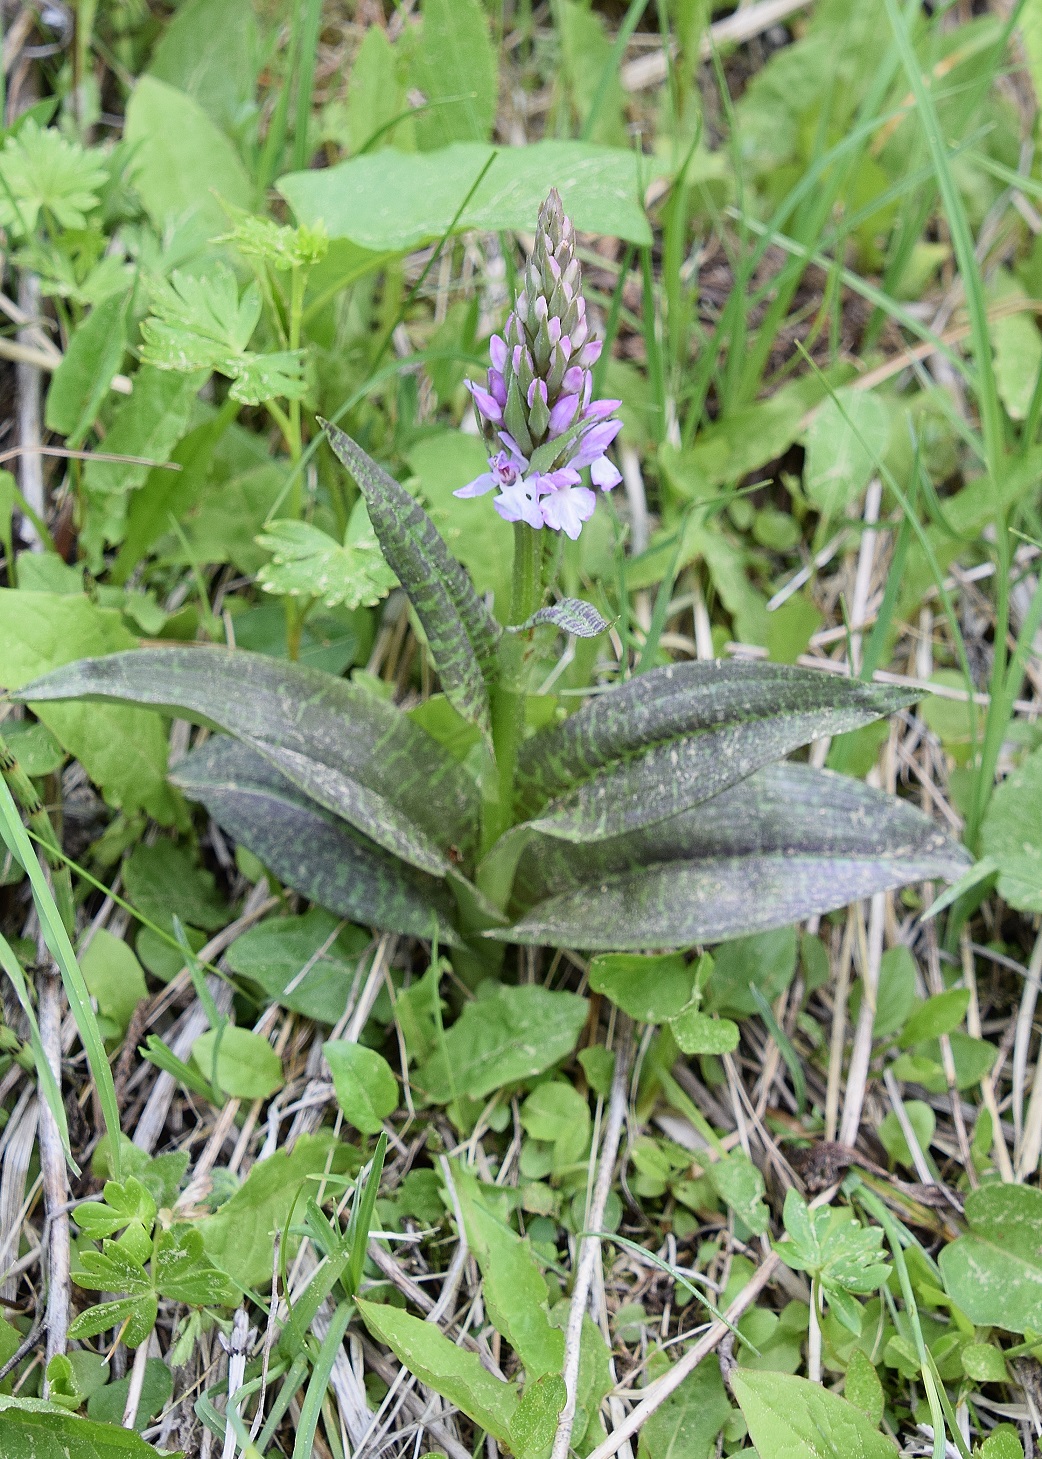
{"x":508,"y":706}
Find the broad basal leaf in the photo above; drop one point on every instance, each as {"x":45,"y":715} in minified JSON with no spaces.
{"x":784,"y":844}
{"x":995,"y":1272}
{"x":675,"y":737}
{"x":307,"y":563}
{"x":309,"y":849}
{"x":453,"y":1372}
{"x":509,"y":1035}
{"x":34,"y":1429}
{"x":791,"y":1418}
{"x":348,"y":749}
{"x":396,"y":200}
{"x":461,"y":633}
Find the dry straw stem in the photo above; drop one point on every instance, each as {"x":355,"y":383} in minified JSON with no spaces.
{"x":590,"y":1251}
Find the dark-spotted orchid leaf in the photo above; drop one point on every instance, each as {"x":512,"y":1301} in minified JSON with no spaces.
{"x":351,"y":751}
{"x":785,"y":843}
{"x":309,"y":849}
{"x":678,"y":736}
{"x":461,"y":633}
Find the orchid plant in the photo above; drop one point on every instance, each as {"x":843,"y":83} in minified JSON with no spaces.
{"x":661,"y":814}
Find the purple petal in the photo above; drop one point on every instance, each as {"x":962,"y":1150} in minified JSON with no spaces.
{"x":479,"y":486}
{"x":497,"y":387}
{"x":604,"y":474}
{"x":563,"y":414}
{"x":541,"y":384}
{"x":487,"y":404}
{"x":553,"y":329}
{"x":572,"y":381}
{"x":520,"y":504}
{"x":563,"y":476}
{"x":595,"y":442}
{"x":591,"y":352}
{"x":567,"y":509}
{"x":598,"y":409}
{"x":518,"y":459}
{"x":497,"y":349}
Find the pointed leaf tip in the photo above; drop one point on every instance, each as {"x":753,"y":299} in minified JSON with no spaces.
{"x":572,"y":615}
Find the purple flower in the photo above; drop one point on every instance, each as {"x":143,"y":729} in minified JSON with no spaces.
{"x":537,"y":415}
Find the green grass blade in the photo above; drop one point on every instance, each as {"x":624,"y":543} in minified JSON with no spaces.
{"x":57,"y":939}
{"x":311,"y":1408}
{"x":45,"y":1079}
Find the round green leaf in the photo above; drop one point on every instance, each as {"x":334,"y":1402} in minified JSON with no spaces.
{"x":366,"y":1089}
{"x":247,"y":1065}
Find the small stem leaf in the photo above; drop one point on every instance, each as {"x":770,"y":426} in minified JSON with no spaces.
{"x":572,"y":615}
{"x":355,"y":754}
{"x":461,"y":633}
{"x":674,"y":738}
{"x":307,"y":848}
{"x":784,"y":844}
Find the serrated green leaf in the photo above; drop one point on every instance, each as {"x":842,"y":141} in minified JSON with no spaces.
{"x":281,"y":247}
{"x":364,"y":1082}
{"x":674,"y":738}
{"x":782,"y":845}
{"x":198,"y":322}
{"x":44,"y":172}
{"x":184,"y":1273}
{"x":461,"y":633}
{"x":307,"y":848}
{"x":34,"y":1429}
{"x":307,"y":563}
{"x":348,"y":749}
{"x":791,"y":1418}
{"x":995,"y":1272}
{"x":135,"y":1317}
{"x":453,"y":1372}
{"x":509,"y":1035}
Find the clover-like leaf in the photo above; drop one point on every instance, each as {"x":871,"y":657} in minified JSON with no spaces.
{"x":307,"y":563}
{"x":43,"y":171}
{"x":461,"y":633}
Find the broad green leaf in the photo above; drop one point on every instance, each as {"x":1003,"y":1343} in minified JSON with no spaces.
{"x":739,"y":1185}
{"x":238,"y":1238}
{"x":113,"y":975}
{"x":453,"y":1372}
{"x":82,"y":380}
{"x":700,"y":1033}
{"x":863,"y":1389}
{"x":995,"y":1272}
{"x":935,"y":1016}
{"x":350,"y":750}
{"x":164,"y":881}
{"x":1002,"y":1443}
{"x":307,"y":848}
{"x":508,"y":1035}
{"x":892,"y":1137}
{"x":591,"y":71}
{"x":122,"y":750}
{"x":766,"y":960}
{"x":182,"y":163}
{"x":147,"y":424}
{"x":558,"y":1114}
{"x":570,"y":615}
{"x":514,"y":1288}
{"x":461,"y":633}
{"x":304,"y":963}
{"x":307,"y":563}
{"x":653,"y":989}
{"x":397,"y":200}
{"x":1012,"y":835}
{"x":845,"y":442}
{"x":34,"y":1429}
{"x":247,"y":1067}
{"x":686,"y":1425}
{"x":677,"y":736}
{"x":198,"y":322}
{"x":1018,"y":355}
{"x":224,"y":91}
{"x":375,"y":99}
{"x":106,"y":1405}
{"x":784,"y":844}
{"x":791,"y":1418}
{"x":364,"y":1082}
{"x":983,"y":1362}
{"x":534,"y":1423}
{"x":454,"y":65}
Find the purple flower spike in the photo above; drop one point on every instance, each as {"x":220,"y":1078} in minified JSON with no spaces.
{"x":537,"y":416}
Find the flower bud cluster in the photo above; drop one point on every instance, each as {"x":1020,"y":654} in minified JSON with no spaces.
{"x":537,"y":414}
